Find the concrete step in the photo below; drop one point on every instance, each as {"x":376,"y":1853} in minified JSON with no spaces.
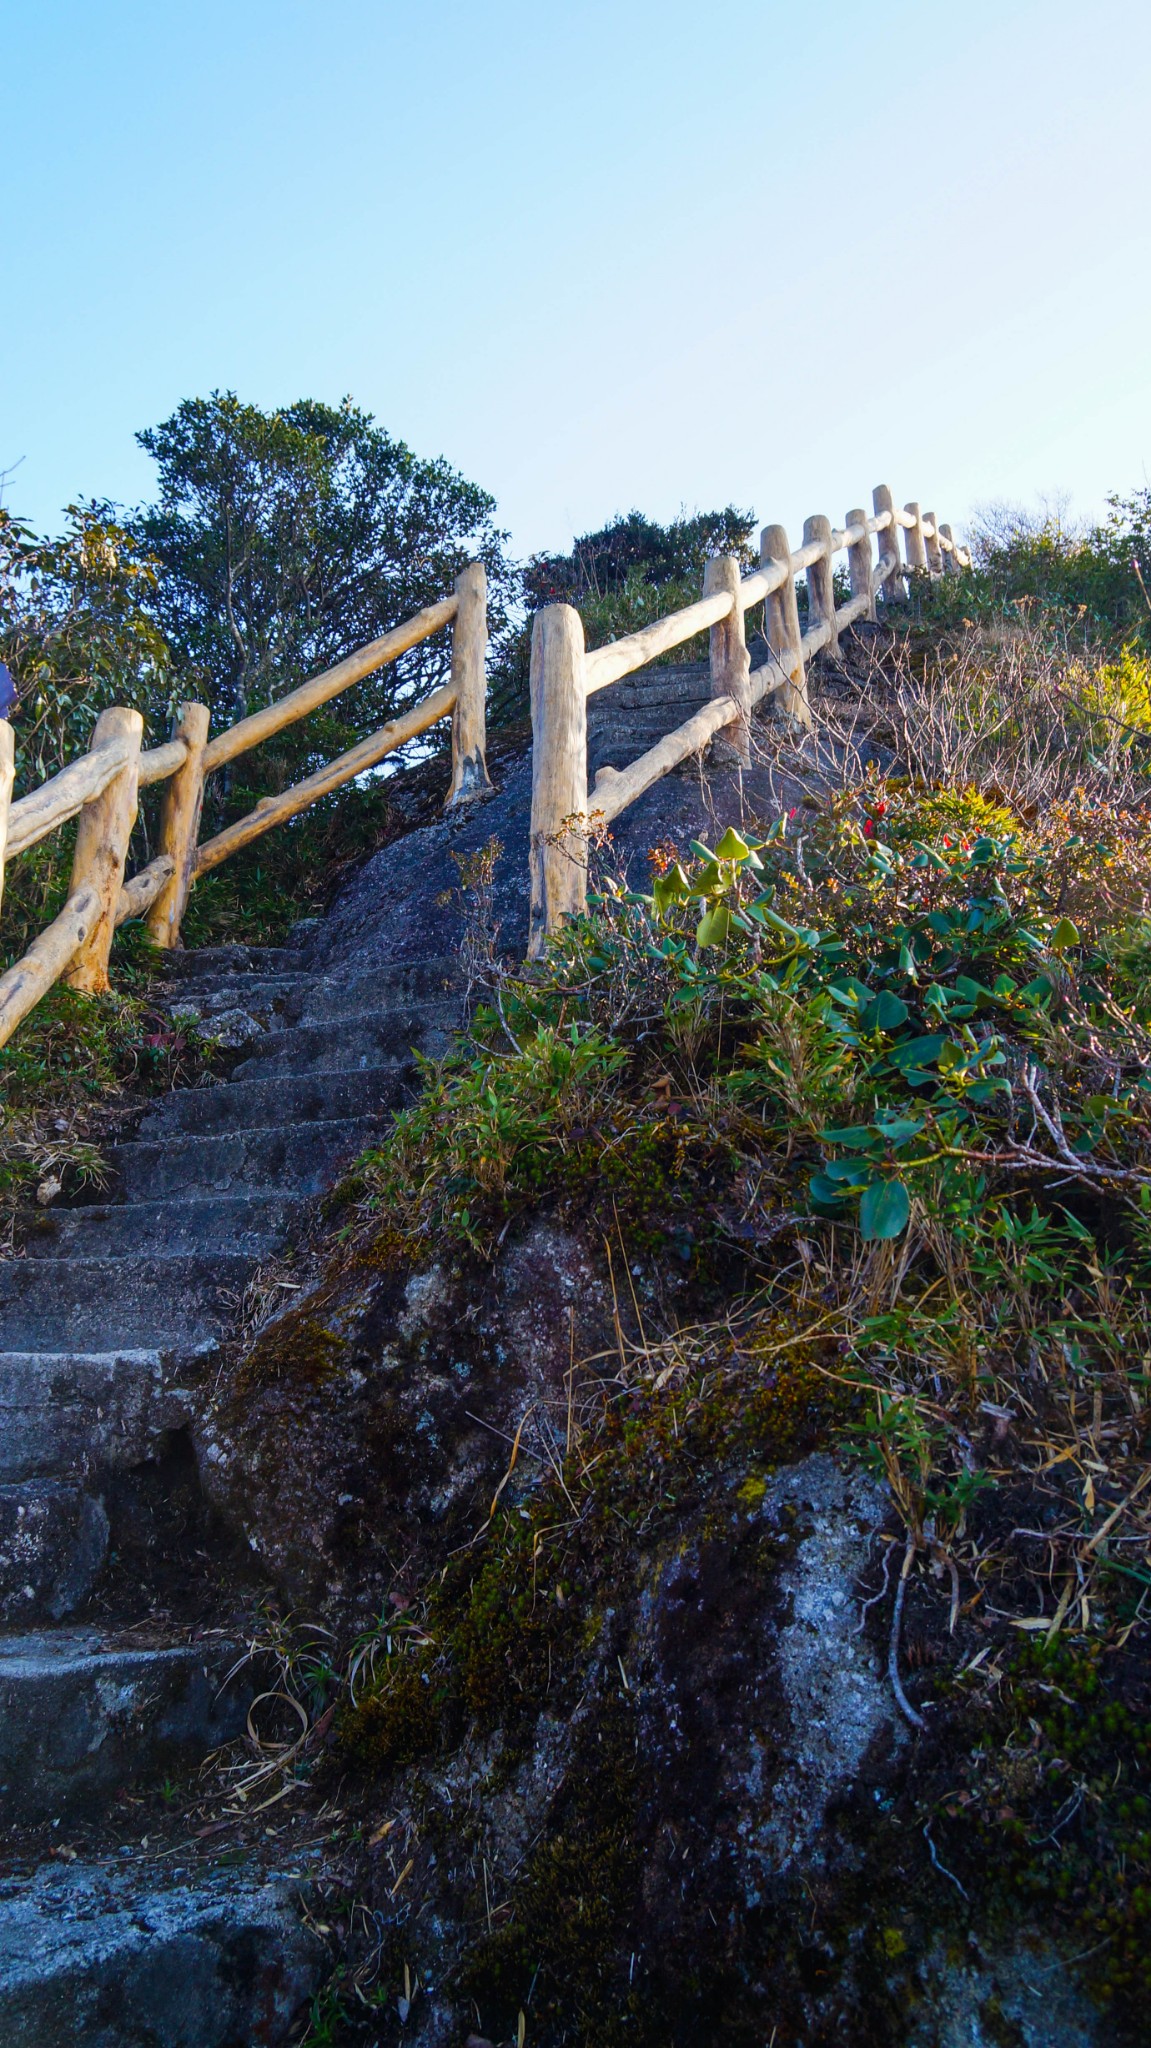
{"x":402,"y":985}
{"x":279,"y":1156}
{"x":132,"y":1956}
{"x":219,"y":963}
{"x":165,"y":1304}
{"x":339,"y":1044}
{"x":269,"y":995}
{"x":83,"y":1713}
{"x":288,"y":1099}
{"x":53,"y":1547}
{"x":250,"y":1224}
{"x":67,"y":1412}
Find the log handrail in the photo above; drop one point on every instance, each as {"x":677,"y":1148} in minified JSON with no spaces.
{"x":565,"y":673}
{"x":101,"y":790}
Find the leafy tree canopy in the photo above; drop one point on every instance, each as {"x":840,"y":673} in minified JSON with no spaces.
{"x":285,"y":540}
{"x":78,"y":633}
{"x":632,"y":548}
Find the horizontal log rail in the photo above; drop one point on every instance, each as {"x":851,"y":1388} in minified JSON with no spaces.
{"x":274,"y":810}
{"x":565,"y":673}
{"x":101,"y":790}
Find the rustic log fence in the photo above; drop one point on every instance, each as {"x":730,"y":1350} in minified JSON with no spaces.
{"x":564,"y":673}
{"x":102,"y":790}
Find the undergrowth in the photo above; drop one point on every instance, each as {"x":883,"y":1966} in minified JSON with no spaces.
{"x":67,"y":1077}
{"x":897,"y":1055}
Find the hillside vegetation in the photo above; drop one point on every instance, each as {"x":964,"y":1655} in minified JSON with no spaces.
{"x":836,"y":1130}
{"x":785,"y":1239}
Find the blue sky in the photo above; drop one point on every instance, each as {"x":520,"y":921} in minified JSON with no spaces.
{"x":598,"y":255}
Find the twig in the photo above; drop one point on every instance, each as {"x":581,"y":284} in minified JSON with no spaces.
{"x":902,"y":1701}
{"x":941,"y":1867}
{"x":887,"y":1557}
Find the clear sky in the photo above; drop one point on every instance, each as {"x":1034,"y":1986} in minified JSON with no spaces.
{"x":615,"y":253}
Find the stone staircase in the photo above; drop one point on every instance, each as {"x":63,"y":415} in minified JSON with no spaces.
{"x":109,"y":1321}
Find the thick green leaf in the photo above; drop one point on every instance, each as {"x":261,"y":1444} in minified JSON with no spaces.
{"x":884,"y":1013}
{"x":917,"y":1052}
{"x":713,"y":926}
{"x":884,"y":1209}
{"x":896,"y":1130}
{"x":732,"y":847}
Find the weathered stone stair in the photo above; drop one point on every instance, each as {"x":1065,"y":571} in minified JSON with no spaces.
{"x":108,"y":1320}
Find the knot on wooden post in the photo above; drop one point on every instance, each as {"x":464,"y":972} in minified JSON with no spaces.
{"x":730,"y":662}
{"x":559,"y":772}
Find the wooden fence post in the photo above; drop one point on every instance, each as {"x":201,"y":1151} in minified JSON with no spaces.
{"x":559,"y":773}
{"x":730,"y":663}
{"x":102,"y":836}
{"x":891,"y":588}
{"x":950,"y":564}
{"x":469,"y":643}
{"x":781,"y":624}
{"x":914,"y":541}
{"x":859,"y":563}
{"x":820,"y":583}
{"x":7,"y":773}
{"x":180,"y":826}
{"x":931,"y":543}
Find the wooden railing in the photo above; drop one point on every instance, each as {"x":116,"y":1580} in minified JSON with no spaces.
{"x":102,"y":789}
{"x":564,"y":673}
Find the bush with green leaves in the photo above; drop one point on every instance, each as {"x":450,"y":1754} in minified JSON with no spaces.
{"x":78,"y":632}
{"x":902,"y":1079}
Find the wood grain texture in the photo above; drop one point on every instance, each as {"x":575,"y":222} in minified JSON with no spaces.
{"x":914,"y":541}
{"x":730,"y":663}
{"x":820,"y":587}
{"x":45,"y":809}
{"x":142,"y":890}
{"x":286,"y":710}
{"x":604,"y":665}
{"x":158,"y":763}
{"x":102,"y":837}
{"x":859,"y":564}
{"x":781,"y":626}
{"x":180,"y":826}
{"x":275,"y":810}
{"x":890,"y":585}
{"x":469,"y":681}
{"x":46,"y":959}
{"x":558,"y":861}
{"x":616,"y":788}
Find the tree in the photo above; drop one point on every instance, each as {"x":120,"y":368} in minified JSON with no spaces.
{"x":285,"y":540}
{"x":621,"y":577}
{"x":632,"y":549}
{"x":77,"y":632}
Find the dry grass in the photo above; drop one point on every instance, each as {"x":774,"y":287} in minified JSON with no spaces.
{"x":1029,"y":719}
